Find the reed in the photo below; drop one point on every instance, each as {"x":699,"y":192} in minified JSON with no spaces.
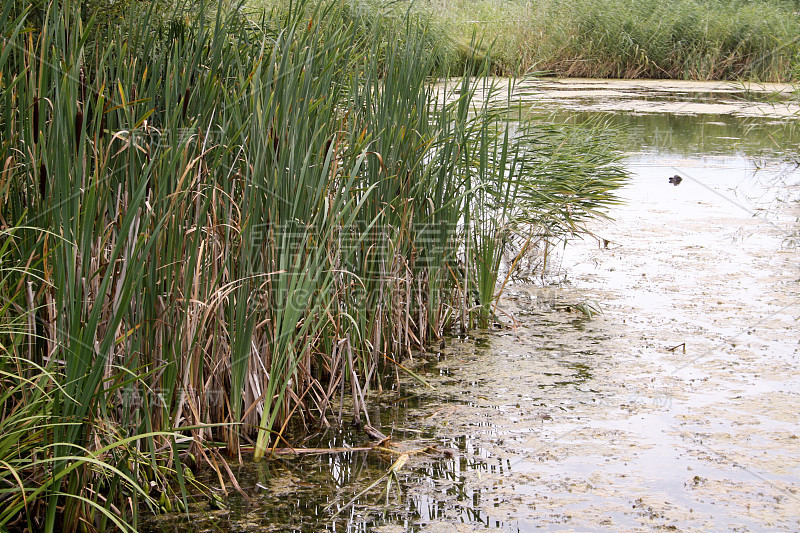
{"x":216,"y":222}
{"x":683,"y":39}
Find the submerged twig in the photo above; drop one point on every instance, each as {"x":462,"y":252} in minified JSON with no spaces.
{"x":683,"y":344}
{"x":391,"y":473}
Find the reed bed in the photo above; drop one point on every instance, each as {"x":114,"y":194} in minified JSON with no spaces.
{"x":215,"y":222}
{"x":682,"y":39}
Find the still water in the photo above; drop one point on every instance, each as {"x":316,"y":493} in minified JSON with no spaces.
{"x":676,"y":408}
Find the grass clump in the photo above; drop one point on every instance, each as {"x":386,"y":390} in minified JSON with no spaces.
{"x":216,"y":222}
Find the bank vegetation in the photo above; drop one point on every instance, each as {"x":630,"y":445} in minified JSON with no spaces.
{"x":219,"y":220}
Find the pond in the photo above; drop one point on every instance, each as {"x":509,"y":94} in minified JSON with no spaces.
{"x":674,"y":408}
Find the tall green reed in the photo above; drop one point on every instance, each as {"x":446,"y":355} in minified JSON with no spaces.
{"x":225,"y":222}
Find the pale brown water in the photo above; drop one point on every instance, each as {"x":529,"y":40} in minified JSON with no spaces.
{"x":600,"y":425}
{"x":675,"y":409}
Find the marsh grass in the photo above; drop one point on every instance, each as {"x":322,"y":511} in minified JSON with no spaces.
{"x":215,"y":222}
{"x":683,"y":39}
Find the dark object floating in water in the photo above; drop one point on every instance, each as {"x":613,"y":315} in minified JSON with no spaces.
{"x":675,"y":180}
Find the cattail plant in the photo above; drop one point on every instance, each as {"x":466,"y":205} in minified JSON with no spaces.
{"x":222,"y":224}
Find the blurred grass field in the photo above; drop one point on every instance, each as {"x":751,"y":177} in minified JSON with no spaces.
{"x":681,"y":39}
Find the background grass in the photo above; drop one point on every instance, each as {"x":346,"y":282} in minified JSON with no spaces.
{"x":682,"y":39}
